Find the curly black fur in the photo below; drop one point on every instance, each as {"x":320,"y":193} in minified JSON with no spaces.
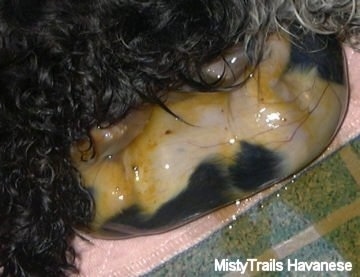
{"x":66,"y":66}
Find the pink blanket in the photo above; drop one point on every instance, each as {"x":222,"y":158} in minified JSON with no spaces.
{"x":133,"y":257}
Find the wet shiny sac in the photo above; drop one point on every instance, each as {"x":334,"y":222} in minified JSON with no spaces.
{"x":153,"y":171}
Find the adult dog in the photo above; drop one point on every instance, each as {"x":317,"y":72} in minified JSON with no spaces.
{"x":67,"y":66}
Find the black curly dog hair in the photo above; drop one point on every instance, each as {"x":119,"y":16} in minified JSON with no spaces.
{"x":67,"y":66}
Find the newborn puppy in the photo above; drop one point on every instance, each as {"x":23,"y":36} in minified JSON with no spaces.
{"x":67,"y":67}
{"x":153,"y":171}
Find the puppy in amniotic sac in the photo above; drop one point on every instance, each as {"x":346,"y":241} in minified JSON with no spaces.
{"x":127,"y":118}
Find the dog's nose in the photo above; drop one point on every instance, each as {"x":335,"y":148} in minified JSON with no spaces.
{"x":106,"y":139}
{"x":118,"y":136}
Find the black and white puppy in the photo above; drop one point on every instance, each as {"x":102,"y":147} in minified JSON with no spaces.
{"x":69,"y":66}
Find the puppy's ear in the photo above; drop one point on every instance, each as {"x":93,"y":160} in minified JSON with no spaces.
{"x":22,"y":12}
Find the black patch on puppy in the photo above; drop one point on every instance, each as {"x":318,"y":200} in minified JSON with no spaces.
{"x":209,"y":187}
{"x":255,"y":166}
{"x":322,"y":52}
{"x":204,"y":192}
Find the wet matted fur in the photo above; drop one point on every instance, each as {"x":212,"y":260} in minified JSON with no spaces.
{"x":66,"y":66}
